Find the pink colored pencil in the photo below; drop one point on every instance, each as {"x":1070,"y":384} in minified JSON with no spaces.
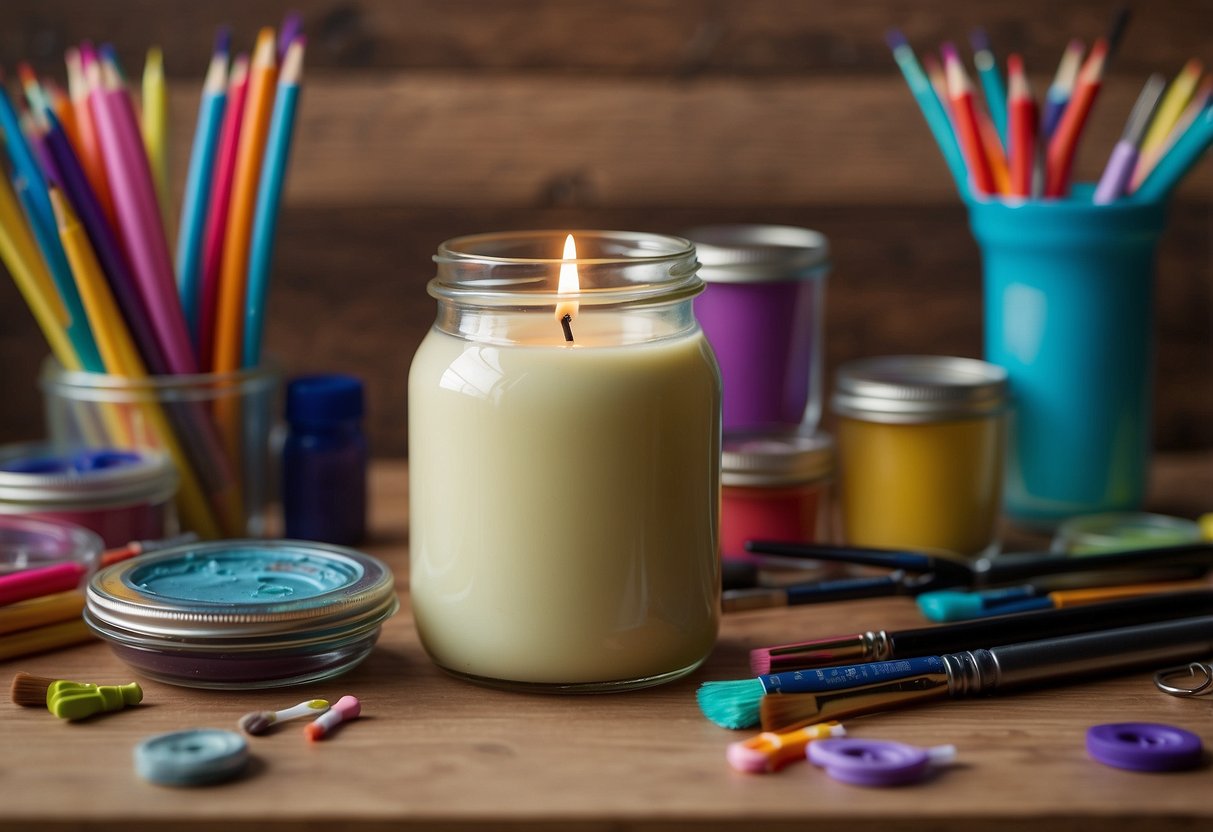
{"x":964,"y":121}
{"x":139,"y":221}
{"x":34,"y":583}
{"x":216,"y":223}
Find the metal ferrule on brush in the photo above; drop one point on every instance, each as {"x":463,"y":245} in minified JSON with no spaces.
{"x":970,"y":672}
{"x":861,"y":647}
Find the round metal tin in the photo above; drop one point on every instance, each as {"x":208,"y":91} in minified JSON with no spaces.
{"x":759,"y":253}
{"x":768,"y":458}
{"x":918,"y":388}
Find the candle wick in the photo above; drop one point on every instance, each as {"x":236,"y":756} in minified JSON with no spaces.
{"x":567,"y":323}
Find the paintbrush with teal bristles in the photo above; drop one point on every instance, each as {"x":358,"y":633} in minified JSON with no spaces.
{"x":735,"y":704}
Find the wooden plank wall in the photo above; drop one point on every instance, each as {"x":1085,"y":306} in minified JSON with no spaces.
{"x":425,"y":119}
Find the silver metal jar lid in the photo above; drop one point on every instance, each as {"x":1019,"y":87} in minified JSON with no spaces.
{"x":240,"y":595}
{"x":776,"y":458}
{"x":918,"y":388}
{"x":759,"y":253}
{"x":42,"y":475}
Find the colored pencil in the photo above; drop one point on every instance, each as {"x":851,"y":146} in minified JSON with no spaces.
{"x":46,"y":637}
{"x":991,"y":81}
{"x":36,"y":612}
{"x":964,"y":120}
{"x":61,"y":106}
{"x":995,"y":155}
{"x":1185,"y":153}
{"x":20,"y":254}
{"x":1148,"y":159}
{"x":1021,"y":131}
{"x":1114,"y":181}
{"x":1059,"y":92}
{"x":291,"y":29}
{"x":269,"y":195}
{"x":220,"y":201}
{"x":122,"y":359}
{"x":233,"y":280}
{"x":1172,"y":105}
{"x":197,"y":185}
{"x":139,"y":217}
{"x":153,"y":124}
{"x":1064,"y":141}
{"x":932,"y":108}
{"x":31,"y":193}
{"x":89,"y":147}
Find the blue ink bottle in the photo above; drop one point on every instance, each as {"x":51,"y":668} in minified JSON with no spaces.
{"x":324,"y":460}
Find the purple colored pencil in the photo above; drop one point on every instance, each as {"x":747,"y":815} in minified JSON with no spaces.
{"x":1114,"y":181}
{"x":138,"y":213}
{"x":292,"y":27}
{"x":74,"y":182}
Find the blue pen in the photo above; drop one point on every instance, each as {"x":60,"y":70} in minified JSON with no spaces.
{"x":269,"y":193}
{"x":931,"y":107}
{"x":196,"y":201}
{"x":991,"y":81}
{"x":1182,"y":156}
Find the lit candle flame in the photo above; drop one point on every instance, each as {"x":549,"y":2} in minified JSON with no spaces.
{"x":569,"y":284}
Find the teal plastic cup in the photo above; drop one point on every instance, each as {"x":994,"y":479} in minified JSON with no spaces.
{"x":1068,"y":308}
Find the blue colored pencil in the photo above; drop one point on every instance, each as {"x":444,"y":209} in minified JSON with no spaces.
{"x":931,"y":107}
{"x":1182,"y":156}
{"x":195,"y":205}
{"x":1058,"y":95}
{"x":991,"y":81}
{"x":269,"y":195}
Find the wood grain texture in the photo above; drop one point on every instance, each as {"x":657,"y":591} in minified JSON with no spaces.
{"x":433,"y":753}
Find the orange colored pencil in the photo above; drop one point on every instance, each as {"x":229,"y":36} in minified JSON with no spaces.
{"x":1060,"y":160}
{"x":263,"y":74}
{"x":964,"y":121}
{"x":89,"y":147}
{"x":995,"y":155}
{"x":62,"y":105}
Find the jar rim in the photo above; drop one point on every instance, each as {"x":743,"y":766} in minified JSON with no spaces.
{"x":662,"y":268}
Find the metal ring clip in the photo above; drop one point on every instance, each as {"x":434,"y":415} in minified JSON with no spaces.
{"x":1199,"y":672}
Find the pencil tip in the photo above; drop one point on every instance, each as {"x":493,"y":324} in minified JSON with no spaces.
{"x":895,"y":39}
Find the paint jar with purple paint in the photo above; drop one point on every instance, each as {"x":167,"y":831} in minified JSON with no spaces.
{"x":119,"y":494}
{"x":242,"y":614}
{"x":762,"y":312}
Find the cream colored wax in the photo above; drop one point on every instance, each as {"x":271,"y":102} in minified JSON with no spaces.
{"x":564,"y":501}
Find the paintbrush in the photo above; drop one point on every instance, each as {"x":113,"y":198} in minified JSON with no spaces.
{"x":29,"y":691}
{"x":1000,"y":668}
{"x":995,"y":626}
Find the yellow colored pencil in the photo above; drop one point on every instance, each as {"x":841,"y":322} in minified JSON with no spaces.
{"x":41,"y":639}
{"x":154,"y":126}
{"x":37,"y":612}
{"x":121,"y":358}
{"x":20,"y":254}
{"x":1172,"y":104}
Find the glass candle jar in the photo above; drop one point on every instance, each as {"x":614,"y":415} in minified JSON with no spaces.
{"x":921,"y":445}
{"x":775,"y":485}
{"x":564,"y":457}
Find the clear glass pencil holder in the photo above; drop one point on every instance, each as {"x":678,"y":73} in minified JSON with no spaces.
{"x":216,"y":427}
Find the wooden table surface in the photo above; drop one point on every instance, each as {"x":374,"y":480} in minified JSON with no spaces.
{"x":432,"y":752}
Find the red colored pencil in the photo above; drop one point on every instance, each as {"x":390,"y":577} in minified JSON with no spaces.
{"x":964,"y":120}
{"x":1065,"y":139}
{"x":216,"y":222}
{"x":1022,"y":119}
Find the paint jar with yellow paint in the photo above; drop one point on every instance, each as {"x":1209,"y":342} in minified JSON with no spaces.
{"x":921,"y":443}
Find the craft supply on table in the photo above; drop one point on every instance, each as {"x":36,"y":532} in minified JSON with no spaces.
{"x":1144,"y":746}
{"x":40,"y":557}
{"x":258,"y":722}
{"x":1199,"y":674}
{"x":916,"y":574}
{"x":582,"y":553}
{"x":28,"y":690}
{"x":762,"y":310}
{"x":1127,"y":530}
{"x":345,"y":709}
{"x":989,"y":631}
{"x":950,"y":605}
{"x":241,"y":614}
{"x":771,"y":751}
{"x":920,"y":446}
{"x":1000,"y":668}
{"x":324,"y":460}
{"x":775,"y":485}
{"x":196,"y":757}
{"x":79,"y":700}
{"x":864,"y":762}
{"x":121,"y":495}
